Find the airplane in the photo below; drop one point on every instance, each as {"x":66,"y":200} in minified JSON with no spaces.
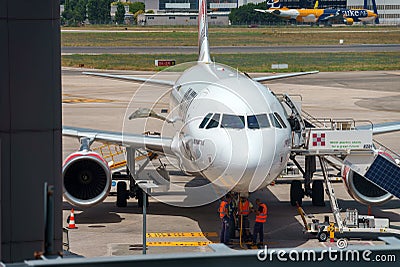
{"x":235,"y":132}
{"x":318,"y":16}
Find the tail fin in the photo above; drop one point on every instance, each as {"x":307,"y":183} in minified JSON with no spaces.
{"x":204,"y":48}
{"x":271,"y":4}
{"x":374,"y":8}
{"x":316,"y":4}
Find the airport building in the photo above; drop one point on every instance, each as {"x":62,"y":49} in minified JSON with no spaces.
{"x":184,"y":12}
{"x":181,"y":18}
{"x":192,"y":5}
{"x":388,"y":10}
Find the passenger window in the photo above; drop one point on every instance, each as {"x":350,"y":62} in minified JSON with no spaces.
{"x":274,"y":121}
{"x":232,"y":121}
{"x":280,"y":120}
{"x":258,"y":121}
{"x":205,"y":120}
{"x":214,"y":122}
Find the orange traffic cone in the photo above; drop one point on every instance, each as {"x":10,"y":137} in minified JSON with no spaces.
{"x":71,"y":224}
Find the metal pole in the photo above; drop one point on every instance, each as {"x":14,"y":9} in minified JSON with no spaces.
{"x":144,"y":220}
{"x":49,"y":248}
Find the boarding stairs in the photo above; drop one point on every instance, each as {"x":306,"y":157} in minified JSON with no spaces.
{"x":341,"y":142}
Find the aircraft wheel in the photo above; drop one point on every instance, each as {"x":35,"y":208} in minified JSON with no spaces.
{"x":318,"y":193}
{"x":121,"y":194}
{"x":322,"y":236}
{"x":296,"y":193}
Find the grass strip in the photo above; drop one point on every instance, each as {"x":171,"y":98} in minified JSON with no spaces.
{"x":257,"y":62}
{"x":234,"y":36}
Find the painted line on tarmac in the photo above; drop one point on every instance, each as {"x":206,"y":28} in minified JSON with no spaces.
{"x":178,"y":244}
{"x":181,"y":234}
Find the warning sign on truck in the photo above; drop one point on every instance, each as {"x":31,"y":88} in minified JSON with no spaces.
{"x":337,"y":139}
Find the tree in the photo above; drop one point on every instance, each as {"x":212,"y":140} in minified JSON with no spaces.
{"x":93,"y":11}
{"x":135,"y":16}
{"x":105,"y":7}
{"x":99,"y":11}
{"x":247,"y":15}
{"x":135,"y":7}
{"x":74,"y":12}
{"x":120,"y":13}
{"x":80,"y":11}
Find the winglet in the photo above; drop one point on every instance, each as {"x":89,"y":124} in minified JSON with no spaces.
{"x":204,"y":48}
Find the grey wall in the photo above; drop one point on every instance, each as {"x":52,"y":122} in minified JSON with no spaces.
{"x":179,"y":19}
{"x":30,"y":123}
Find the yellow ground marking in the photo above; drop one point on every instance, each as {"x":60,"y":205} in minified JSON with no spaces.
{"x":181,"y":234}
{"x":178,"y":244}
{"x":85,"y":100}
{"x":71,"y":99}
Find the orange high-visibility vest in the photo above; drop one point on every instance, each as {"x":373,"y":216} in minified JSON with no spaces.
{"x":244,"y":208}
{"x":223,"y":211}
{"x":262,"y":217}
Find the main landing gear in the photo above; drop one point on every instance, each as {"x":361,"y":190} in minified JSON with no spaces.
{"x":316,"y":191}
{"x":130,"y":180}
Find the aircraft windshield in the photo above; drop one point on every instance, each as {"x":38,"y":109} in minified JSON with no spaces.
{"x":205,"y":120}
{"x":258,"y":121}
{"x":214,"y":122}
{"x":274,"y":121}
{"x":232,"y":121}
{"x":281,"y":122}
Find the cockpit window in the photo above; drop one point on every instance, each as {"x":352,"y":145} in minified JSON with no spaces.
{"x":205,"y":120}
{"x":258,"y":121}
{"x":214,"y":122}
{"x":280,"y":120}
{"x":274,"y":121}
{"x":232,"y":121}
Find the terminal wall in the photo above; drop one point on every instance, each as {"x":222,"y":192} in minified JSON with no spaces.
{"x":30,"y":124}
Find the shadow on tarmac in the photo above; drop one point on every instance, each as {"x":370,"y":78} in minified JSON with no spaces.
{"x":282,"y":228}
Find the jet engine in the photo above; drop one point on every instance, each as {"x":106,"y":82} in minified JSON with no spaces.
{"x":86,"y":179}
{"x":348,"y":21}
{"x":362,"y":189}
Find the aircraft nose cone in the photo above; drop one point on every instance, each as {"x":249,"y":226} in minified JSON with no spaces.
{"x":243,"y":160}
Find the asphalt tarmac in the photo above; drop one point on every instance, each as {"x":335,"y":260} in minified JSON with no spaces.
{"x":68,"y":50}
{"x":106,"y":230}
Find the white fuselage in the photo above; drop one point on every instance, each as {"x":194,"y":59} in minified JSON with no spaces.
{"x":241,"y":145}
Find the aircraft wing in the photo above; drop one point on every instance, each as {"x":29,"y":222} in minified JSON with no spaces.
{"x":151,"y":143}
{"x":263,"y":11}
{"x":282,"y":76}
{"x":130,"y":78}
{"x":382,"y":128}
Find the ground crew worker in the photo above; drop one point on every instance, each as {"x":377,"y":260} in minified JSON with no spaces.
{"x":261,"y":218}
{"x":296,"y":130}
{"x":244,"y":209}
{"x":232,"y":210}
{"x":224,"y":216}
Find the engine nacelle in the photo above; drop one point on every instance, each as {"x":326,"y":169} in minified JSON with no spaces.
{"x":86,"y":179}
{"x":348,"y":21}
{"x":363,"y":190}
